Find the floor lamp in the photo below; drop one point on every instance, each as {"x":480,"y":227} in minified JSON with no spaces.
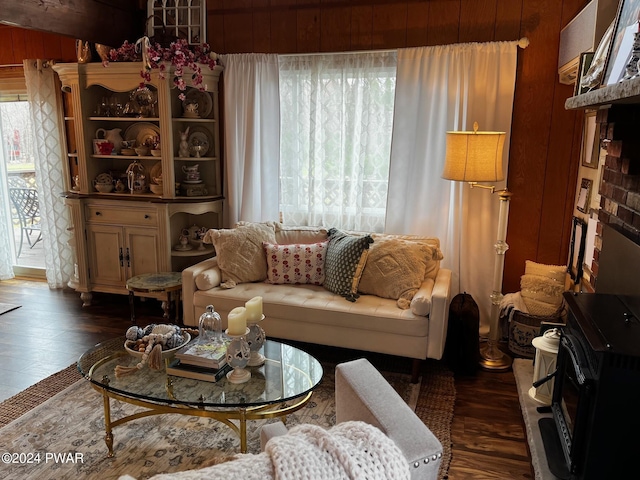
{"x":477,"y":157}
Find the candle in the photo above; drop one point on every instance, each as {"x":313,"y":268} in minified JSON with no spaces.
{"x":237,"y":321}
{"x":254,"y":309}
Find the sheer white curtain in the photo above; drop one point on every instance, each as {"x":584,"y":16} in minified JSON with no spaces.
{"x":337,"y":117}
{"x":49,"y":159}
{"x":6,"y":231}
{"x":438,"y":89}
{"x":252,"y":137}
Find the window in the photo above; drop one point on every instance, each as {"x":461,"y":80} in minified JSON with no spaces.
{"x":336,"y":122}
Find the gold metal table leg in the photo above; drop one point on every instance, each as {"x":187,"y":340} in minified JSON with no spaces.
{"x":108,"y":437}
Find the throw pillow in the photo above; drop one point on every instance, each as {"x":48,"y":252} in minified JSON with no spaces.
{"x":346,"y":256}
{"x":395,"y":269}
{"x":208,"y":278}
{"x":297,"y":263}
{"x":556,"y":272}
{"x":240,"y":254}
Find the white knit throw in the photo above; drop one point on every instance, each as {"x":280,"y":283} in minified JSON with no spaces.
{"x":350,"y":450}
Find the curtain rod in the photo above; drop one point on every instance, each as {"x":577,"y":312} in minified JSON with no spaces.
{"x":522,"y":43}
{"x":11,"y":65}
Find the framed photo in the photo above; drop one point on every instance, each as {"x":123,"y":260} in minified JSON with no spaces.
{"x":577,"y":249}
{"x":620,"y":50}
{"x":590,"y":141}
{"x":584,"y":195}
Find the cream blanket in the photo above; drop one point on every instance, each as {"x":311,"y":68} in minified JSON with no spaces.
{"x":350,"y":450}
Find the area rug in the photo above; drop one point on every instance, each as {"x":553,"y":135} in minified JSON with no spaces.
{"x":7,"y":307}
{"x":67,"y":430}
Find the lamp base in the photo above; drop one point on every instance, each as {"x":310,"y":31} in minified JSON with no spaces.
{"x":493,"y":359}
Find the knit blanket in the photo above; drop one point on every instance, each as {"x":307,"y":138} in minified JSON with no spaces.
{"x":349,"y":450}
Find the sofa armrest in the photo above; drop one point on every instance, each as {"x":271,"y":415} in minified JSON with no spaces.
{"x":189,"y":275}
{"x":439,"y":317}
{"x":363,"y":394}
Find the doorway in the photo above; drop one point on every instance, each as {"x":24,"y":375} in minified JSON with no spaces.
{"x":19,"y":178}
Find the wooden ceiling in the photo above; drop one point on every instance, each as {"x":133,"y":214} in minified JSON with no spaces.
{"x":109,"y":22}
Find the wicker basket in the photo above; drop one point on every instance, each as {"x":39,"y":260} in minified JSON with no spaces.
{"x":522,"y":329}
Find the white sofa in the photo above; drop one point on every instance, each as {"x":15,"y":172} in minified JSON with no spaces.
{"x":310,"y":313}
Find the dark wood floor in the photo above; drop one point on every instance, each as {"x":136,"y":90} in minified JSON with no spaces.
{"x":51,"y":329}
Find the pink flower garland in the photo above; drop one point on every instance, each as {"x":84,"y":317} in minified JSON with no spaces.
{"x":179,"y":54}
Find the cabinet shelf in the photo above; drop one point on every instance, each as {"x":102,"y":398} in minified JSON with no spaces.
{"x":128,"y":157}
{"x":125,"y":119}
{"x":193,"y":120}
{"x":196,"y":159}
{"x":192,"y":253}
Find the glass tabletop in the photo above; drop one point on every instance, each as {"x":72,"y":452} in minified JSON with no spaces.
{"x":287,"y":373}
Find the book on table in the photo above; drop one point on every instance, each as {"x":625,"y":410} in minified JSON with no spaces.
{"x":203,"y":354}
{"x":178,"y":369}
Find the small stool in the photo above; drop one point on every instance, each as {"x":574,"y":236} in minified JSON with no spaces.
{"x":167,"y":284}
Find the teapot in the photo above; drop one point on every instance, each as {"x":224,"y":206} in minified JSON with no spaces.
{"x":137,"y":177}
{"x":112,"y":136}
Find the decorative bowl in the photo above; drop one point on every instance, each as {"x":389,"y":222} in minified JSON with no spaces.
{"x":104,"y":187}
{"x":156,"y":153}
{"x":165,"y":353}
{"x":157,"y":189}
{"x":142,"y":151}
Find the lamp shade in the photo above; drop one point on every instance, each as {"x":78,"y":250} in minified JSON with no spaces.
{"x":474,"y":156}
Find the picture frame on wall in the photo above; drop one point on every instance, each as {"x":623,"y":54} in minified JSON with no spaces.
{"x":590,"y":154}
{"x":577,"y":250}
{"x":584,"y":195}
{"x":621,"y":48}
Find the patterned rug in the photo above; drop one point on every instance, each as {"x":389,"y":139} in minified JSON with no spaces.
{"x":67,"y":430}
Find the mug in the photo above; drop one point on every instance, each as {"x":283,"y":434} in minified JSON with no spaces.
{"x":102,"y":146}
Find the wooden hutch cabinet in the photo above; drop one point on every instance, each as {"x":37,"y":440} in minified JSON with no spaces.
{"x":126,"y":230}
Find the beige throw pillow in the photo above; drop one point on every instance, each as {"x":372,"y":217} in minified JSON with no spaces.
{"x":241,"y":257}
{"x":395,"y":269}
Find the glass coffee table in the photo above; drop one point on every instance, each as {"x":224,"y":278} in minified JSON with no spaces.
{"x":281,"y":386}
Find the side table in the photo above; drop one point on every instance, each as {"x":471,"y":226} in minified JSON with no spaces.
{"x":167,"y":284}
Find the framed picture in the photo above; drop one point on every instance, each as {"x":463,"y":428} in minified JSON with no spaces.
{"x":620,"y":50}
{"x":590,"y":141}
{"x":577,"y":249}
{"x":584,"y":195}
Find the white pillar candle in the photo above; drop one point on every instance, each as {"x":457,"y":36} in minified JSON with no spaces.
{"x":254,"y":309}
{"x":237,"y":321}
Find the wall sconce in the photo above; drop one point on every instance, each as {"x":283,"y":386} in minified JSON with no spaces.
{"x":477,"y":157}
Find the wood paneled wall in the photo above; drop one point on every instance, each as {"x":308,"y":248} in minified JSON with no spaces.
{"x":545,"y":138}
{"x":17,"y":44}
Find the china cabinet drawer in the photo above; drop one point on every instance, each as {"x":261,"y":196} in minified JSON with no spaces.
{"x":121,"y":216}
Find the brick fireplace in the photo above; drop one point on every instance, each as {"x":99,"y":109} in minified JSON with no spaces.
{"x":620,"y":177}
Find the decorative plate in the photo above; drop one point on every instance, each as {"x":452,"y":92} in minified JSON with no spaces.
{"x":200,"y":136}
{"x":141,"y":131}
{"x":203,"y":99}
{"x":156,"y":171}
{"x":104,"y":178}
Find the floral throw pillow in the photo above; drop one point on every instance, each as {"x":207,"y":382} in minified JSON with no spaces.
{"x":296,"y":263}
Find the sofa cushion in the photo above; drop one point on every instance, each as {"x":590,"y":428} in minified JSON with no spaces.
{"x":296,"y":263}
{"x":312,"y":305}
{"x":346,"y":256}
{"x":240,"y":253}
{"x":395,"y":269}
{"x":288,"y":234}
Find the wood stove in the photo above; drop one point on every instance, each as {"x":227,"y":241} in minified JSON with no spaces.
{"x":595,"y":425}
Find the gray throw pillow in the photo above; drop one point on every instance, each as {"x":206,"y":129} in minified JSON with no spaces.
{"x":346,"y":256}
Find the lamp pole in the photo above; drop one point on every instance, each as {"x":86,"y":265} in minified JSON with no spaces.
{"x":491,"y":357}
